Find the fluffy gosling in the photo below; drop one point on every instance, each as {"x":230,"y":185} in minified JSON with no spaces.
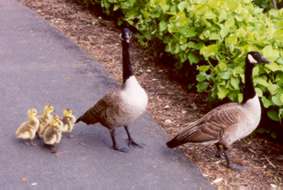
{"x":68,"y":121}
{"x":27,"y":130}
{"x":52,"y":134}
{"x":45,"y":118}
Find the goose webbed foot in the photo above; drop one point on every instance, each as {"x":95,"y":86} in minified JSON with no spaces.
{"x":232,"y":166}
{"x":114,"y":146}
{"x":236,"y":167}
{"x":122,"y":149}
{"x":131,"y":141}
{"x":222,"y":153}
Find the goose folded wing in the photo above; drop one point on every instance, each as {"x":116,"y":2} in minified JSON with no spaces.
{"x":99,"y":111}
{"x":212,"y":126}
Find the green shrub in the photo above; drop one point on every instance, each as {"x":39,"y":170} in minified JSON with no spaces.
{"x":268,"y":4}
{"x":220,"y":32}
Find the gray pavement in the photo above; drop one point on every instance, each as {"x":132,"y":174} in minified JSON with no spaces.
{"x":39,"y":65}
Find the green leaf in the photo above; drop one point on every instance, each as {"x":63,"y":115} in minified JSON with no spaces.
{"x":266,"y":102}
{"x":226,"y":75}
{"x":278,"y":35}
{"x":270,"y":53}
{"x":182,"y":5}
{"x":279,"y":79}
{"x":190,"y":32}
{"x":203,"y":68}
{"x":222,"y":92}
{"x":235,"y":83}
{"x":274,"y":67}
{"x":278,"y":99}
{"x":280,"y":113}
{"x":208,"y":51}
{"x":280,"y":60}
{"x":202,"y":86}
{"x":259,"y":92}
{"x":261,"y":81}
{"x":193,"y":58}
{"x":273,"y":115}
{"x":222,"y":66}
{"x":162,"y":26}
{"x":272,"y":88}
{"x":240,"y":97}
{"x":194,"y":45}
{"x":201,"y":77}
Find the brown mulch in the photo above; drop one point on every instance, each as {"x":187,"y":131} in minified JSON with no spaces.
{"x":171,"y":105}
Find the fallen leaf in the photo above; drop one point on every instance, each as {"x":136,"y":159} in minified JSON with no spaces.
{"x":24,"y":179}
{"x":217,"y":180}
{"x":168,"y":122}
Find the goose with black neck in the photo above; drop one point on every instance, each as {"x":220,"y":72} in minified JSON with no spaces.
{"x":122,"y":107}
{"x":229,"y":122}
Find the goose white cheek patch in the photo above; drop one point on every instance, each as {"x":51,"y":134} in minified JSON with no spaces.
{"x":252,"y":59}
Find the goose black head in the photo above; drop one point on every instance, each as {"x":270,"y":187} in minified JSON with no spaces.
{"x":254,"y":57}
{"x":126,"y":35}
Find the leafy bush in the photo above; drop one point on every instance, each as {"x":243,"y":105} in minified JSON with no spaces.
{"x":268,"y":4}
{"x":215,"y":35}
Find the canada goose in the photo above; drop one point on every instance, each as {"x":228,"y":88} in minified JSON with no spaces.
{"x":229,"y":122}
{"x":121,"y":107}
{"x":45,"y":118}
{"x":68,"y":121}
{"x":52,"y":133}
{"x":27,"y":130}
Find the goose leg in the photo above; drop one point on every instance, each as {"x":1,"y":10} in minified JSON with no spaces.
{"x":219,"y":151}
{"x":114,"y":146}
{"x":229,"y":164}
{"x":130,"y":139}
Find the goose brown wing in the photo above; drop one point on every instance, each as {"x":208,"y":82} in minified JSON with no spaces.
{"x":210,"y":127}
{"x":98,"y":112}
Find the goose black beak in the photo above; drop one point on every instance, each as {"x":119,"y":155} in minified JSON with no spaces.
{"x":264,"y":60}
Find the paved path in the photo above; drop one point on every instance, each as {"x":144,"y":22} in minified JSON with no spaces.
{"x":39,"y":65}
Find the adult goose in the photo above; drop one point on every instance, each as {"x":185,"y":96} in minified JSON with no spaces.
{"x":123,"y":106}
{"x":229,"y":122}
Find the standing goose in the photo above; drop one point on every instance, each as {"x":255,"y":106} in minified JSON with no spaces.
{"x":229,"y":122}
{"x":121,"y":107}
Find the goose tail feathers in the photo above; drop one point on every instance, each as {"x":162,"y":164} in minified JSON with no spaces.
{"x":180,"y":139}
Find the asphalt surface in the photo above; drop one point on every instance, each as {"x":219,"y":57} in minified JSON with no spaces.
{"x":39,"y":65}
